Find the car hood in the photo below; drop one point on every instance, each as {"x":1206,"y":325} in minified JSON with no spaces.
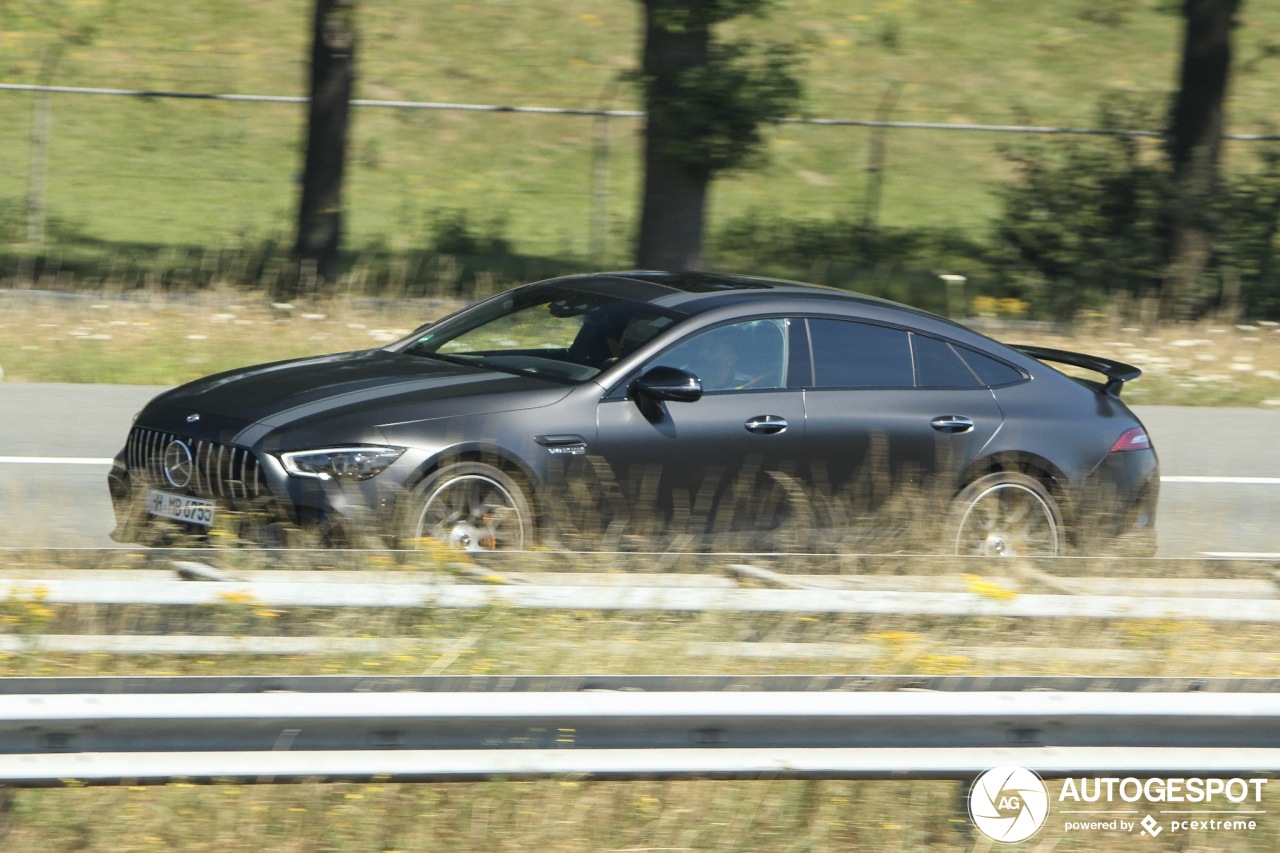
{"x":369,"y":388}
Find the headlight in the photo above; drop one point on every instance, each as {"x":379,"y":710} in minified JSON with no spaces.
{"x":340,"y":463}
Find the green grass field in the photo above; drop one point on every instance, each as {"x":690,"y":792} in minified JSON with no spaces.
{"x":199,"y":173}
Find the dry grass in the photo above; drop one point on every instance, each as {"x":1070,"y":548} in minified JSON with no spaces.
{"x":561,"y":815}
{"x":164,"y":340}
{"x":569,"y":814}
{"x":161,"y":340}
{"x":503,"y":640}
{"x":1203,"y":364}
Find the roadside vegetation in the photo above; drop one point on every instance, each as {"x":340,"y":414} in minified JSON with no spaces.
{"x":573,"y":814}
{"x":495,"y":640}
{"x":146,"y":190}
{"x":160,"y":339}
{"x":564,"y":815}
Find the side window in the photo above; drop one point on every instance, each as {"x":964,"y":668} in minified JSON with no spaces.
{"x":939,"y":366}
{"x":992,"y":372}
{"x":848,"y":354}
{"x":738,"y":357}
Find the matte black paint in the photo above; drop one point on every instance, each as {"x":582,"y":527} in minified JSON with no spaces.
{"x":547,"y":431}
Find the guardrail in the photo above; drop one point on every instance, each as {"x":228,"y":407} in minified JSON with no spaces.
{"x":990,"y":600}
{"x":266,"y":729}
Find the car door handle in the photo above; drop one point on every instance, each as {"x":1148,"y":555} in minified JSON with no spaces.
{"x":767,"y":425}
{"x":952,"y":423}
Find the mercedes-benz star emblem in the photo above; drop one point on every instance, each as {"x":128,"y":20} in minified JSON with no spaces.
{"x":178,"y":464}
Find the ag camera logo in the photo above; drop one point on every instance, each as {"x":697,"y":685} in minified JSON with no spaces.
{"x":1008,"y":803}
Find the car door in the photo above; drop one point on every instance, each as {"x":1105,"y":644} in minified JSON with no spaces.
{"x":719,"y":463}
{"x":889,"y":412}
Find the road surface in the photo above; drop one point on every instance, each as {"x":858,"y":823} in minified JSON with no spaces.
{"x":1220,"y":466}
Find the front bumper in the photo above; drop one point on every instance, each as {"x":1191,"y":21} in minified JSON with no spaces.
{"x":268,"y":507}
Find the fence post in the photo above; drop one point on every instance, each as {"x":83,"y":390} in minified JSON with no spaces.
{"x":876,"y":159}
{"x":38,"y":168}
{"x":955,"y":295}
{"x":598,"y":228}
{"x":38,"y":165}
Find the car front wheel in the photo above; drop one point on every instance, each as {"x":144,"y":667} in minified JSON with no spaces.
{"x":1007,"y":514}
{"x":470,"y":506}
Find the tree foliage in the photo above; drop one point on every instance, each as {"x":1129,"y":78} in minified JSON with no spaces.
{"x":706,"y":100}
{"x":715,"y":111}
{"x":1247,"y":241}
{"x":1083,"y":222}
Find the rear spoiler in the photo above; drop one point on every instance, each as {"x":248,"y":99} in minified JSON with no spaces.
{"x":1117,"y":372}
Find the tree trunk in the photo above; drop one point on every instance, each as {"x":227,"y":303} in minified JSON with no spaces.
{"x":1195,"y":146}
{"x":332,"y":78}
{"x":671,"y":220}
{"x":675,"y":195}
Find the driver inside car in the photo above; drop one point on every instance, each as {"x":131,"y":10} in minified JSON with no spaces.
{"x":730,"y":358}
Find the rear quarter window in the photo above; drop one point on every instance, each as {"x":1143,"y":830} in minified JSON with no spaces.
{"x":991,"y":371}
{"x":938,"y":365}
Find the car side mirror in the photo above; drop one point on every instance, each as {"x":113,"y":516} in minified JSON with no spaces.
{"x":662,"y":383}
{"x":668,"y":383}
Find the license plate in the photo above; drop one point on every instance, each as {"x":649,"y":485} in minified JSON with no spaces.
{"x":180,"y":507}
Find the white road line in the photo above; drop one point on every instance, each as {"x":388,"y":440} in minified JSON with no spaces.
{"x":1243,"y":555}
{"x":53,"y":460}
{"x":1242,"y":481}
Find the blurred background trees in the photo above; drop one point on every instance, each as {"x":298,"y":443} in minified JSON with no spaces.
{"x":1094,"y":218}
{"x":332,"y":80}
{"x":1196,"y":126}
{"x":167,"y":187}
{"x":705,"y":99}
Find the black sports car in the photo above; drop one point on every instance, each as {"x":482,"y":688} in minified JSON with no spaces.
{"x":673,"y":404}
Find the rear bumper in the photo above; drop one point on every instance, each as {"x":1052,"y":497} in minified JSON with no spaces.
{"x":1117,"y":508}
{"x":291,"y":512}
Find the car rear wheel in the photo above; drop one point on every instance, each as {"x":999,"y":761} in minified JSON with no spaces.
{"x":1007,"y":514}
{"x":470,"y":506}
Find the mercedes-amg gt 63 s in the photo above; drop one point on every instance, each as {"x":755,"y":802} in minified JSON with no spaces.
{"x":592,"y":408}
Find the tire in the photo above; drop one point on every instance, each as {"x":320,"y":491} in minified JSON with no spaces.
{"x":470,"y":506}
{"x":1007,"y":514}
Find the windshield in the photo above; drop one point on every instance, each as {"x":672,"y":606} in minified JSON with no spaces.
{"x":551,"y":332}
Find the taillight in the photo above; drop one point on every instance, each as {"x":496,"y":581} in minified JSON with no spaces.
{"x":1132,"y":439}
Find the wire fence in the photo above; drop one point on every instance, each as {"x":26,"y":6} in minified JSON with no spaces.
{"x":193,"y":168}
{"x":608,"y":113}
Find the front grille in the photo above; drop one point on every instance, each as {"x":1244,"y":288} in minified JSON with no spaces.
{"x":218,"y":471}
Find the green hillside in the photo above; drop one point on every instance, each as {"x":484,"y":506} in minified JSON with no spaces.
{"x":193,"y":172}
